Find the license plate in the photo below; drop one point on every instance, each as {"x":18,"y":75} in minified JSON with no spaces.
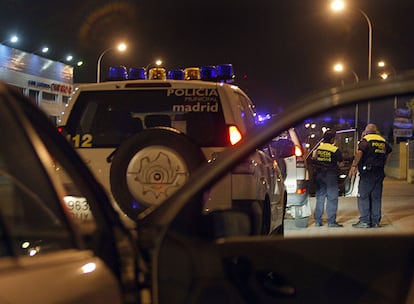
{"x":78,"y":208}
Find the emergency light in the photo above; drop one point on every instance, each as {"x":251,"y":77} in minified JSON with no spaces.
{"x":118,"y":73}
{"x":208,"y":73}
{"x":192,"y":74}
{"x":219,"y":73}
{"x":137,"y":73}
{"x":176,"y":75}
{"x":157,"y":74}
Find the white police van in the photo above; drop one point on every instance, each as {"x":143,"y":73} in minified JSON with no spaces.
{"x":143,"y":137}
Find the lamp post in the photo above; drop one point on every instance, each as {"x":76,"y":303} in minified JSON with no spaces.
{"x":339,"y":68}
{"x":13,"y":39}
{"x":385,"y":74}
{"x":121,"y":47}
{"x":385,"y":71}
{"x":339,"y":5}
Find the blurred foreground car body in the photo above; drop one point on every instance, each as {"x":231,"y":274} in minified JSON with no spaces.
{"x":49,"y":252}
{"x":190,"y":265}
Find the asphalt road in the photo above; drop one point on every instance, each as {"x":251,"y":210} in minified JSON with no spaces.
{"x":397,"y":210}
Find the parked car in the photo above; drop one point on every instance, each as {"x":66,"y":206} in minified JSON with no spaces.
{"x":143,"y":138}
{"x":296,"y":175}
{"x":50,"y":252}
{"x":190,"y":265}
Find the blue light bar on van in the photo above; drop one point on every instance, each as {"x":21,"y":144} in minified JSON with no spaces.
{"x":176,"y":74}
{"x":137,"y":73}
{"x":208,"y":73}
{"x":225,"y":72}
{"x":118,"y":73}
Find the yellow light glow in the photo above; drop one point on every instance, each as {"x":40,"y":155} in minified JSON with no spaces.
{"x":122,"y":47}
{"x":337,"y":5}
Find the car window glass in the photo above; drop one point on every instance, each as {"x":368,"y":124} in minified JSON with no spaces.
{"x":398,"y":170}
{"x":105,"y":119}
{"x":30,"y":210}
{"x":247,"y":111}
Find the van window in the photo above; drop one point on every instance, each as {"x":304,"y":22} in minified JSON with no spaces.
{"x":109,"y":117}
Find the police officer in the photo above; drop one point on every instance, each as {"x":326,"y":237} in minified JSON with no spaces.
{"x":327,"y":158}
{"x":373,"y":153}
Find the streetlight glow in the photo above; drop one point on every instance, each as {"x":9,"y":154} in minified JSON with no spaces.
{"x":14,"y":39}
{"x":337,"y":5}
{"x":122,"y":47}
{"x":338,"y":67}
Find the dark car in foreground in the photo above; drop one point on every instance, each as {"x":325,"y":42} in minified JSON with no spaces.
{"x":61,"y":240}
{"x":213,"y":258}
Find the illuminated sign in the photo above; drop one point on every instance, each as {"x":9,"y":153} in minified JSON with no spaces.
{"x":54,"y":87}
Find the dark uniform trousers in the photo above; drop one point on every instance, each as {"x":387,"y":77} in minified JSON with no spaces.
{"x":370,"y":195}
{"x":326,"y":182}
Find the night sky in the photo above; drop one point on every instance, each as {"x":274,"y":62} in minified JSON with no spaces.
{"x":280,"y":50}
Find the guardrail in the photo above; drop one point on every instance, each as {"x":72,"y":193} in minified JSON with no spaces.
{"x":401,"y":164}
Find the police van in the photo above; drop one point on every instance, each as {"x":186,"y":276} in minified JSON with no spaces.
{"x":143,"y":137}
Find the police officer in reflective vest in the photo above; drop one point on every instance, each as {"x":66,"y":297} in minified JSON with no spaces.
{"x":373,"y":153}
{"x":327,"y":158}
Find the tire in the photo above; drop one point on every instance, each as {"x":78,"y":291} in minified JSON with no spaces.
{"x":281,"y":229}
{"x":300,"y":222}
{"x":150,"y":166}
{"x":259,"y":216}
{"x":266,"y":217}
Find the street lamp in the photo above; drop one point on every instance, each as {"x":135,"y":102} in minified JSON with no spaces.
{"x":339,"y":5}
{"x":13,"y":39}
{"x":157,"y":62}
{"x":339,"y":68}
{"x":385,"y":74}
{"x":121,"y":47}
{"x":385,"y":71}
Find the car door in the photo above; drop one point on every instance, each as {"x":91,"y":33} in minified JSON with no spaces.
{"x":43,"y":258}
{"x":329,"y":266}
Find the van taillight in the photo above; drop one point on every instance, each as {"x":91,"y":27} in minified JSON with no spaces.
{"x":234,"y":134}
{"x":298,"y":151}
{"x":60,"y":129}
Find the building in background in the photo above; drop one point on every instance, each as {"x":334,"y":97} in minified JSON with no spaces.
{"x":47,"y":83}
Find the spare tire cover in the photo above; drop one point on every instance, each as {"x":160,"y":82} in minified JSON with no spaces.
{"x":150,"y":166}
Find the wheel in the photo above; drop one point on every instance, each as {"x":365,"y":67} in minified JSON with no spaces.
{"x":150,"y":166}
{"x":300,"y":221}
{"x":259,"y":212}
{"x":266,"y":217}
{"x":280,"y":230}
